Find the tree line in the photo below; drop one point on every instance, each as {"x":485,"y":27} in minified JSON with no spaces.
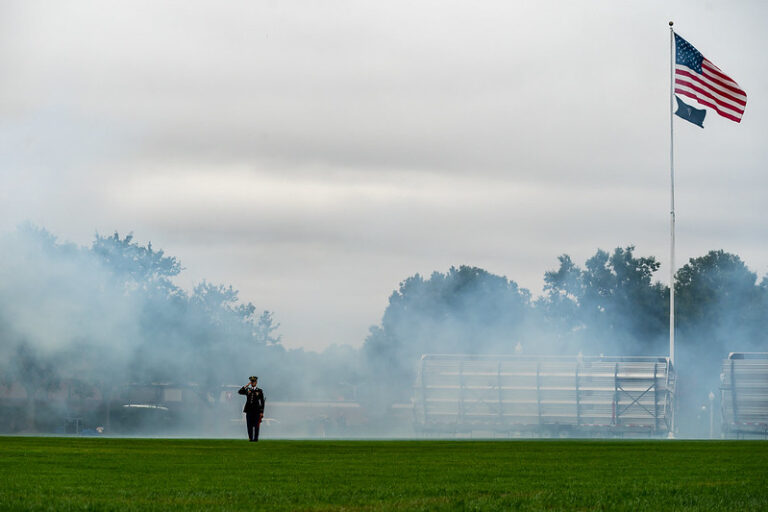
{"x":97,"y":319}
{"x":611,"y":305}
{"x":109,"y":314}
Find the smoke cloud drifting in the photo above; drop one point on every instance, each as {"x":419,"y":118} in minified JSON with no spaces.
{"x":103,"y":336}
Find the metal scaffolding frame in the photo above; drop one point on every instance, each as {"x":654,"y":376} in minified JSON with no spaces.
{"x":744,"y":394}
{"x":458,"y":393}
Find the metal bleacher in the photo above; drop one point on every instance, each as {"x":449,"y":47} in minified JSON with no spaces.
{"x":744,"y":394}
{"x":576,"y":395}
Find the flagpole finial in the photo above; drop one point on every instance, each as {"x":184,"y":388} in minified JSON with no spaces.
{"x":671,"y":23}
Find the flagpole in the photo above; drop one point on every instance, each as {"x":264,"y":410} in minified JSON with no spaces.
{"x":672,"y":194}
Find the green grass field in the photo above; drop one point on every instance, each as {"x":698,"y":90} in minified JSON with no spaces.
{"x":159,"y":474}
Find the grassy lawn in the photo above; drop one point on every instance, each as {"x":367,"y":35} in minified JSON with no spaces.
{"x":158,"y":474}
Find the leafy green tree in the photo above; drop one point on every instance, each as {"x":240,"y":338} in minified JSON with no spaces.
{"x":612,"y":304}
{"x":709,"y":283}
{"x":465,"y":310}
{"x":134,"y":265}
{"x":563,"y":289}
{"x":266,"y":328}
{"x":718,"y":302}
{"x":36,"y":373}
{"x":110,"y":314}
{"x":720,"y":308}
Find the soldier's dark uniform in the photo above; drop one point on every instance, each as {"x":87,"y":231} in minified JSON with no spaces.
{"x":254,"y":408}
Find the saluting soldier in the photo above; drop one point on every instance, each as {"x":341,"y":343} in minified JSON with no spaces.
{"x":254,"y":407}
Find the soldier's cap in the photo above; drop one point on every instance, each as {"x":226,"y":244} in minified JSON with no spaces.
{"x":253,"y":377}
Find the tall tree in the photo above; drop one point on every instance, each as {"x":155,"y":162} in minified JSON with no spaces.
{"x":719,"y":301}
{"x":36,"y":373}
{"x":612,"y":304}
{"x":465,"y":310}
{"x":135,"y":265}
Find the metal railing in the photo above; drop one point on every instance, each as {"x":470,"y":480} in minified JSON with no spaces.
{"x":465,"y":393}
{"x":744,"y":394}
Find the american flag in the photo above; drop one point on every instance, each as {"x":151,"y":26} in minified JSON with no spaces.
{"x":697,"y":78}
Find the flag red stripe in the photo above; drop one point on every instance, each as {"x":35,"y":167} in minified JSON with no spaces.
{"x":714,"y":81}
{"x":701,"y":95}
{"x":730,"y":86}
{"x":708,"y":94}
{"x":694,"y":76}
{"x":727,"y":84}
{"x":711,"y":82}
{"x":708,"y":104}
{"x":706,"y":63}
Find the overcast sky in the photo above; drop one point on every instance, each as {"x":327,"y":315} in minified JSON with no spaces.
{"x":314,"y":154}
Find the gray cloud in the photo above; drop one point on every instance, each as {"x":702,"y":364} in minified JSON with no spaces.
{"x":316,"y":154}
